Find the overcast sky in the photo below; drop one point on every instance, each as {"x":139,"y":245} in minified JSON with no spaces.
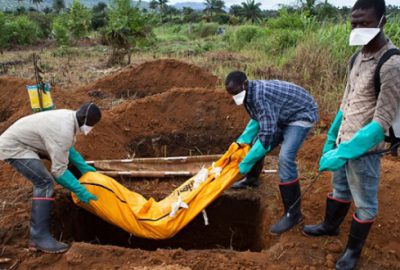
{"x":274,"y":4}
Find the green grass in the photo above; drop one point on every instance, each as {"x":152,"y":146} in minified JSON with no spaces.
{"x":312,"y":54}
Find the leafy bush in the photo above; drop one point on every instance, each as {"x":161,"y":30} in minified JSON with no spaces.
{"x":44,"y":22}
{"x":3,"y":37}
{"x":99,"y":18}
{"x":286,"y":20}
{"x":78,"y":20}
{"x":392,"y":29}
{"x":241,"y":36}
{"x":60,"y":30}
{"x":20,"y":30}
{"x":221,"y":18}
{"x":203,"y":30}
{"x":128,"y":28}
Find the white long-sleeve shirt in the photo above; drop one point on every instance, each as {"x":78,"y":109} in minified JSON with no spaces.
{"x":51,"y":132}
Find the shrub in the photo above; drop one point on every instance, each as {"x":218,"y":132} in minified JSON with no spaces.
{"x":99,"y":18}
{"x":203,"y":30}
{"x":78,"y":20}
{"x":392,"y":29}
{"x":128,"y":28}
{"x":44,"y":22}
{"x":3,"y":37}
{"x":286,"y":20}
{"x":20,"y":30}
{"x":241,"y":36}
{"x":60,"y":30}
{"x":221,"y":18}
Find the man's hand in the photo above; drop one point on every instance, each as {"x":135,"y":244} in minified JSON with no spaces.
{"x":85,"y":196}
{"x":330,"y":161}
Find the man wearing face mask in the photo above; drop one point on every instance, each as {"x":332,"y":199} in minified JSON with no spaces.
{"x":281,"y":113}
{"x":357,"y":133}
{"x":52,"y":134}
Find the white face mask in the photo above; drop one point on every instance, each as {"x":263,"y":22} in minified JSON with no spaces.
{"x":363,"y":36}
{"x":85,"y":128}
{"x":239,"y":98}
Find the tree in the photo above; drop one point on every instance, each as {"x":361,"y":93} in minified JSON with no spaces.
{"x":308,"y":6}
{"x":172,"y":11}
{"x":37,"y":2}
{"x":326,"y":11}
{"x":235,"y":10}
{"x":60,"y":30}
{"x":127,"y":28}
{"x":213,"y":7}
{"x":153,"y":5}
{"x":99,"y":18}
{"x":251,"y":10}
{"x":3,"y":31}
{"x":47,"y":10}
{"x":161,"y":5}
{"x":78,"y":19}
{"x":189,"y":15}
{"x":58,"y":5}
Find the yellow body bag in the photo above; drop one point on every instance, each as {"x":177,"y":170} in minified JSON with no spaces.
{"x":161,"y":220}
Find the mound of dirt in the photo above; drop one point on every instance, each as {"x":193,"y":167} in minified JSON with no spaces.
{"x":177,"y":122}
{"x":311,"y":151}
{"x":181,"y":121}
{"x":147,"y":79}
{"x":14,"y":100}
{"x":15,"y":104}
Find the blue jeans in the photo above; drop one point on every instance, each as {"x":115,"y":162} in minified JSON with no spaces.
{"x":358,"y":179}
{"x":292,"y":138}
{"x":36,"y":172}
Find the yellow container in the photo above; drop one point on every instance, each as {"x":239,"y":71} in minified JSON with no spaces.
{"x":35,"y":96}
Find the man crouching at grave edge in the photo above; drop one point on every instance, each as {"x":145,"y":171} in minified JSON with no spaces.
{"x":281,"y":113}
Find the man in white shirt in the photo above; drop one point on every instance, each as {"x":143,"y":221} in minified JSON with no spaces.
{"x":52,"y":134}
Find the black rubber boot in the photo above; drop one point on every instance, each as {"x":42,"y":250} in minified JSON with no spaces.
{"x":246,"y":182}
{"x":358,"y":234}
{"x":252,"y":178}
{"x":336,"y":211}
{"x":290,"y":192}
{"x":40,"y":237}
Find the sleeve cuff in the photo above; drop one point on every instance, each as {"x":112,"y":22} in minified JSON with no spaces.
{"x":383,"y":123}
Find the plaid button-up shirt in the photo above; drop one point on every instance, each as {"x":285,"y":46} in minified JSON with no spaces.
{"x":275,"y":104}
{"x":360,"y":105}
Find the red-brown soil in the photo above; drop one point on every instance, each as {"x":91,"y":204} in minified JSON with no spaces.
{"x":180,"y":111}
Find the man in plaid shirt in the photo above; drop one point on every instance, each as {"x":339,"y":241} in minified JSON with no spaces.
{"x":281,"y":113}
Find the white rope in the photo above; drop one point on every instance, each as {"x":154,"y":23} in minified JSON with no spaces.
{"x":205,"y":217}
{"x":176,"y":206}
{"x":216,"y":170}
{"x":200,"y":177}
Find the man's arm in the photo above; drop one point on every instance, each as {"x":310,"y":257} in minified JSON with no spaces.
{"x":249,"y":132}
{"x":79,"y":162}
{"x":267,"y":119}
{"x":389,"y":97}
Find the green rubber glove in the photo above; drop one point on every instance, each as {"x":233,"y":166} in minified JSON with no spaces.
{"x":249,"y":132}
{"x":332,"y":133}
{"x":69,"y":181}
{"x":256,"y":152}
{"x":360,"y":143}
{"x":79,"y":162}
